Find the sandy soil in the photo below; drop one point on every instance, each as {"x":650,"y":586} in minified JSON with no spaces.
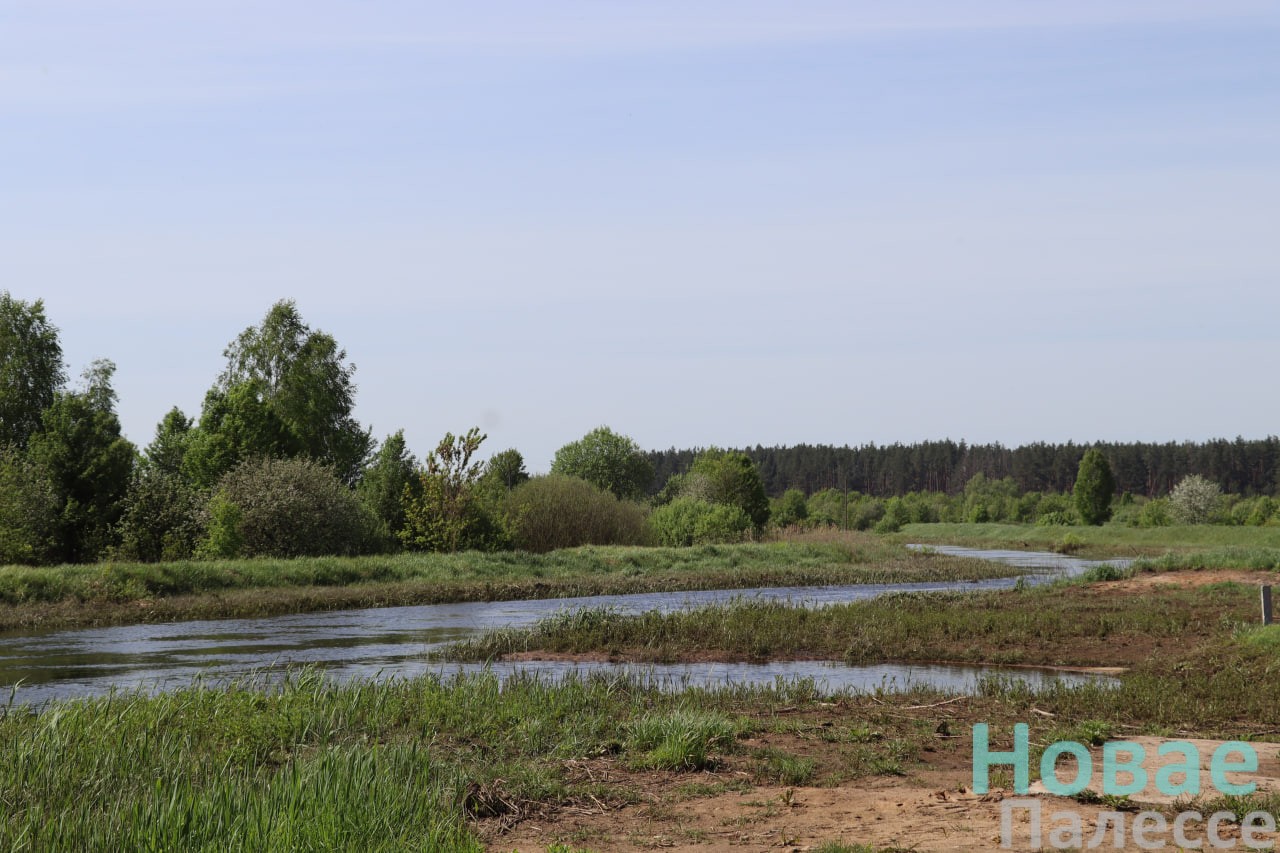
{"x":932,"y":809}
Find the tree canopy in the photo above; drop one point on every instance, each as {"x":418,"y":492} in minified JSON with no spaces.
{"x":301,"y":376}
{"x":609,"y":460}
{"x":31,"y":369}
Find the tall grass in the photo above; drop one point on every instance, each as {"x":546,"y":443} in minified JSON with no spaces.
{"x":1066,"y":624}
{"x":314,"y":765}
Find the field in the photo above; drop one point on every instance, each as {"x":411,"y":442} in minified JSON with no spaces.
{"x":1108,"y":540}
{"x":611,"y":764}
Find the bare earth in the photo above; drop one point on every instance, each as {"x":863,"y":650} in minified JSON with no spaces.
{"x":930,"y":809}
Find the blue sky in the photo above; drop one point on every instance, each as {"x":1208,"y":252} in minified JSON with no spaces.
{"x":728,"y":223}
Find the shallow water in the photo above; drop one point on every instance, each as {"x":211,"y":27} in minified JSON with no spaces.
{"x":391,"y":641}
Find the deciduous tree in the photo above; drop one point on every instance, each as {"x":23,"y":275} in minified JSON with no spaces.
{"x":31,"y":369}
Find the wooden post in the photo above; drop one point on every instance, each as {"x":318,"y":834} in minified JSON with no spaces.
{"x":1266,"y":605}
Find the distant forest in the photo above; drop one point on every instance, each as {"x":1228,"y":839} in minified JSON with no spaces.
{"x":1245,"y":467}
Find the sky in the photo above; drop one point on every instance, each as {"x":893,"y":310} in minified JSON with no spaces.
{"x":700,"y":223}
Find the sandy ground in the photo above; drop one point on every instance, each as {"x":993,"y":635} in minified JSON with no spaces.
{"x":932,"y":809}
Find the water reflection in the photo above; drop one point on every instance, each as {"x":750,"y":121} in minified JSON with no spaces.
{"x":392,"y":641}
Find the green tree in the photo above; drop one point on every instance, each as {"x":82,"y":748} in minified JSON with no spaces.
{"x":303,"y":377}
{"x":1095,"y":488}
{"x":162,"y":517}
{"x":389,"y":474}
{"x":236,"y":424}
{"x":506,"y":469}
{"x":607,"y":459}
{"x":88,"y":462}
{"x":447,"y":514}
{"x":730,"y":478}
{"x":791,"y":508}
{"x":168,"y":450}
{"x":28,"y":510}
{"x":31,"y":370}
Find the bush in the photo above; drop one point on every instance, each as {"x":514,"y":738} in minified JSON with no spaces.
{"x":1194,"y":500}
{"x":163,"y":519}
{"x":790,"y":509}
{"x":558,"y":511}
{"x":1155,"y":513}
{"x":286,"y":508}
{"x":688,"y":521}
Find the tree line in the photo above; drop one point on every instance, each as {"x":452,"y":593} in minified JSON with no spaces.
{"x":1241,"y":466}
{"x":275,"y":464}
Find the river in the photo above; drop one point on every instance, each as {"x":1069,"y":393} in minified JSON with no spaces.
{"x":36,"y":667}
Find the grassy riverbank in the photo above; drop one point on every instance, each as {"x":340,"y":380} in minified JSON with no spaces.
{"x":1108,"y":540}
{"x":118,"y":593}
{"x":1068,"y":624}
{"x":470,"y":764}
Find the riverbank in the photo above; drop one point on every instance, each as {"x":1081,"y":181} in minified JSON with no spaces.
{"x":129,"y":593}
{"x":1106,"y":541}
{"x":607,"y":764}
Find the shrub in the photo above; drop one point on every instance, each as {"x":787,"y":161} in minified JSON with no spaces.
{"x":1155,"y":513}
{"x":558,"y":511}
{"x":688,"y":521}
{"x":1055,"y":519}
{"x":163,"y":519}
{"x":286,"y":508}
{"x":791,"y":508}
{"x":1194,"y":500}
{"x":447,"y":512}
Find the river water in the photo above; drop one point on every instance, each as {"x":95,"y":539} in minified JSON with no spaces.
{"x":36,"y":667}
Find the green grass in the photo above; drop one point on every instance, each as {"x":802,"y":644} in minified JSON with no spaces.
{"x":132,"y":592}
{"x":309,"y":764}
{"x":1108,"y":540}
{"x":1064,"y":624}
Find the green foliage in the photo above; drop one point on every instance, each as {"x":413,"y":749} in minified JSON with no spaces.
{"x":236,"y":424}
{"x":302,"y":377}
{"x":1095,"y":488}
{"x":286,"y":508}
{"x":730,"y":478}
{"x":163,"y":518}
{"x":447,"y":513}
{"x":505,"y":470}
{"x":89,"y":464}
{"x":31,"y":370}
{"x":385,"y":481}
{"x":689,"y":521}
{"x":1195,"y":500}
{"x":557,"y":511}
{"x":790,"y":509}
{"x":168,"y":451}
{"x":28,"y":510}
{"x":608,"y":460}
{"x":223,"y":538}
